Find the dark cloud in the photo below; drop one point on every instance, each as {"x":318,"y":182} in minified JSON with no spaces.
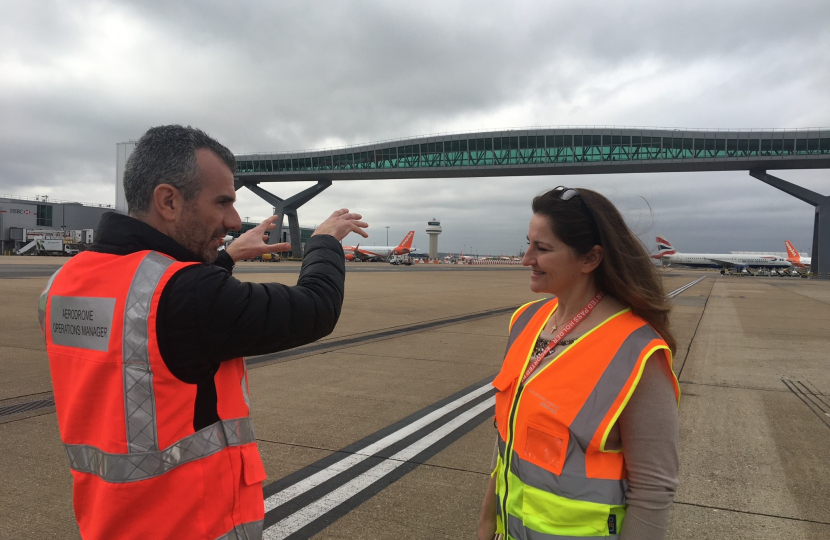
{"x":272,"y":76}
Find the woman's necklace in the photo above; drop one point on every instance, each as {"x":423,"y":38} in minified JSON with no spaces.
{"x":555,"y":313}
{"x":555,"y":324}
{"x":542,"y":343}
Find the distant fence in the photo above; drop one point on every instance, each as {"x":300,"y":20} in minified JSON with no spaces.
{"x":513,"y":262}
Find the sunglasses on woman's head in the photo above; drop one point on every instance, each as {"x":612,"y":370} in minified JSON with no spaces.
{"x":564,"y":193}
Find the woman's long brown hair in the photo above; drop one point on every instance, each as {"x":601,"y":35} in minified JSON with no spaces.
{"x":626,"y":273}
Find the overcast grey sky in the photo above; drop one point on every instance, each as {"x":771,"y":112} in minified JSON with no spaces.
{"x":78,"y":77}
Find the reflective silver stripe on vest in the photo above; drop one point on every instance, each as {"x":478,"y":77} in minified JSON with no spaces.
{"x":44,"y":298}
{"x":139,"y":400}
{"x":605,"y":392}
{"x":122,"y":468}
{"x":245,"y":395}
{"x":517,"y":530}
{"x":247,"y":531}
{"x":522,"y":320}
{"x":595,"y":490}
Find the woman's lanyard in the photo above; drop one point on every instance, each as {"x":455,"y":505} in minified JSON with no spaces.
{"x":568,"y":327}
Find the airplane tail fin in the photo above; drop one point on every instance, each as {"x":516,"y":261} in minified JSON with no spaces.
{"x":792,"y":252}
{"x":407,"y":240}
{"x":664,"y":247}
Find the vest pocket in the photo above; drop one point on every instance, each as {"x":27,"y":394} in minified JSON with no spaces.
{"x":504,"y":380}
{"x":546,"y":446}
{"x":253,"y":471}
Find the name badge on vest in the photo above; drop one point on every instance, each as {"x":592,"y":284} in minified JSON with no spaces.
{"x":612,"y":524}
{"x":82,"y":322}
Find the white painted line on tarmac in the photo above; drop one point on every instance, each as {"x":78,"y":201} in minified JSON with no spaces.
{"x":293,"y":491}
{"x":684,"y":287}
{"x":299,"y":519}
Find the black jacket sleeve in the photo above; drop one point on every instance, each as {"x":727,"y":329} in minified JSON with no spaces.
{"x":206,"y":316}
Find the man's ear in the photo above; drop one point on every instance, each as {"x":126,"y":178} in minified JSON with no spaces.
{"x":168,"y":201}
{"x":592,"y":260}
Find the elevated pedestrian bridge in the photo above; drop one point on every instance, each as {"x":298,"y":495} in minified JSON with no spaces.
{"x":553,"y":151}
{"x":547,"y":152}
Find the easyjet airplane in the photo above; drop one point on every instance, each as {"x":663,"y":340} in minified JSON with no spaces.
{"x":379,"y":253}
{"x":667,"y":254}
{"x":795,"y":257}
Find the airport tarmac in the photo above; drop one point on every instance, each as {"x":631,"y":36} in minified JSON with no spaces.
{"x":382,"y":429}
{"x":23,"y":267}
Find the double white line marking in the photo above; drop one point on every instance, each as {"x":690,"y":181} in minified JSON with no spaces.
{"x":313,"y":511}
{"x":684,"y":287}
{"x":308,"y":514}
{"x":291,"y":492}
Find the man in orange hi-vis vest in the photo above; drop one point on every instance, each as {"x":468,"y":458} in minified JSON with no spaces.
{"x":146,"y":335}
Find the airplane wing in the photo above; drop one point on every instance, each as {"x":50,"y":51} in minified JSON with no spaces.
{"x":358,"y":255}
{"x":366,"y":256}
{"x":725,"y":263}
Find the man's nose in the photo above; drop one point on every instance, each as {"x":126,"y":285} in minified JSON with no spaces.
{"x":233,"y":222}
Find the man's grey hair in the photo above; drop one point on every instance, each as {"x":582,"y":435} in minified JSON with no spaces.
{"x":167,"y":155}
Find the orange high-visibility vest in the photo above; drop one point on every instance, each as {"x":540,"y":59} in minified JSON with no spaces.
{"x":140,"y":470}
{"x":554,"y":477}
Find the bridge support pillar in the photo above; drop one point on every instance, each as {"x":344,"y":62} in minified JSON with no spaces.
{"x":820,"y":260}
{"x":286,"y":207}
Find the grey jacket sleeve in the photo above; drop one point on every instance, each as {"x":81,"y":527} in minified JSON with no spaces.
{"x":207,"y":316}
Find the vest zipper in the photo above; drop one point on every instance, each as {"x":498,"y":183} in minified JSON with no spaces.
{"x":508,"y":447}
{"x":508,"y":454}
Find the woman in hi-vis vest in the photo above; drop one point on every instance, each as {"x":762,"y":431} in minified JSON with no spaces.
{"x":586,"y":402}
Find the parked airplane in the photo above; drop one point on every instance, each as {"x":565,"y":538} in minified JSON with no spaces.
{"x":668,"y":255}
{"x":795,"y":258}
{"x":380,"y":253}
{"x":460,"y":258}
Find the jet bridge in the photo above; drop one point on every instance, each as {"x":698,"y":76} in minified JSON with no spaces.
{"x":555,"y":151}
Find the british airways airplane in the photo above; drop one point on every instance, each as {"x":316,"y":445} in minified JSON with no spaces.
{"x":668,"y":255}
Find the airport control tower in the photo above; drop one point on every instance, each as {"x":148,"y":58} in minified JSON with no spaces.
{"x":433,"y":230}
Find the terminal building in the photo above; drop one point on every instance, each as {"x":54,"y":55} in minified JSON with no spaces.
{"x":20,"y":214}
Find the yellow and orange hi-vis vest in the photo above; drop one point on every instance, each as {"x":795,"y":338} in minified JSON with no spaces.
{"x":140,"y":470}
{"x":554,"y":477}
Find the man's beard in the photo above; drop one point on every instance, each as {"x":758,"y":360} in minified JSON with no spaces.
{"x":191,"y":236}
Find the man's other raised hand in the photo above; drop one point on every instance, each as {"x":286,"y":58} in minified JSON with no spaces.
{"x":341,"y":223}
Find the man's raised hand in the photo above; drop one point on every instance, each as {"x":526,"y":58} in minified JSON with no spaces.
{"x":251,"y":244}
{"x":341,"y":223}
